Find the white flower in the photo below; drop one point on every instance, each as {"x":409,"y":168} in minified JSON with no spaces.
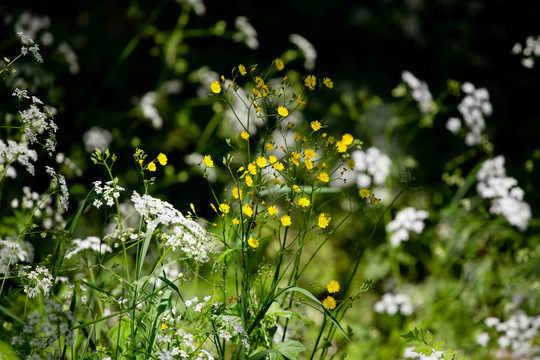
{"x":92,"y":242}
{"x":307,"y":49}
{"x":453,"y":125}
{"x":97,"y":138}
{"x":147,"y":105}
{"x":246,"y":32}
{"x":419,"y":91}
{"x":405,"y":221}
{"x":391,"y":304}
{"x":482,"y":339}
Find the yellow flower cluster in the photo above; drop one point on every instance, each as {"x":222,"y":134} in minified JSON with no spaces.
{"x":329,"y":302}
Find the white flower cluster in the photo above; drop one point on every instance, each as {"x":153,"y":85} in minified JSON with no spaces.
{"x":35,"y":121}
{"x":110,"y":191}
{"x":147,"y":104}
{"x":198,"y":6}
{"x":197,"y":305}
{"x":97,"y":138}
{"x":232,"y":326}
{"x":13,"y":151}
{"x":41,"y":206}
{"x":29,"y":45}
{"x":419,"y":91}
{"x":394,"y":303}
{"x":185,"y":233}
{"x":40,"y":281}
{"x":307,"y":49}
{"x":507,"y":197}
{"x":517,"y":337}
{"x":405,"y":221}
{"x":186,"y":349}
{"x":532,"y":48}
{"x":59,"y":181}
{"x":246,"y":33}
{"x":92,"y":242}
{"x":473,"y":107}
{"x":371,"y":167}
{"x":14,"y":251}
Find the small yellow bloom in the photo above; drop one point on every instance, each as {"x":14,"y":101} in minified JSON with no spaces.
{"x":351,"y":164}
{"x":208,"y":161}
{"x":282,"y":111}
{"x":341,"y":147}
{"x":235,"y":221}
{"x":286,"y":220}
{"x":272,"y":210}
{"x":329,"y":303}
{"x":272,"y":159}
{"x":237,"y":193}
{"x":309,"y":164}
{"x":299,"y":99}
{"x":141,"y":161}
{"x":252,"y":169}
{"x":323,"y":176}
{"x":213,"y":207}
{"x":216,"y":88}
{"x":304,"y":202}
{"x":332,"y":286}
{"x":347,"y":139}
{"x":296,"y":188}
{"x":261,"y":162}
{"x":297,"y":136}
{"x":309,"y":153}
{"x":364,"y":193}
{"x":246,"y":209}
{"x":162,"y":158}
{"x":278,"y":166}
{"x":254,"y":243}
{"x":224,"y":208}
{"x":163,"y":326}
{"x":374,"y":200}
{"x":279,"y":64}
{"x":310,"y":82}
{"x":324,"y":220}
{"x":316,"y":125}
{"x":244,"y":135}
{"x":249,"y":181}
{"x":328,"y":83}
{"x":269,"y":147}
{"x":152,"y":167}
{"x":242,"y":69}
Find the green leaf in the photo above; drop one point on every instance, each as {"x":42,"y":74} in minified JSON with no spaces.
{"x":119,"y":333}
{"x":290,"y":348}
{"x":438,"y":345}
{"x":262,"y":354}
{"x":72,"y":223}
{"x":6,"y":352}
{"x":424,"y":349}
{"x":276,"y":310}
{"x":146,"y":244}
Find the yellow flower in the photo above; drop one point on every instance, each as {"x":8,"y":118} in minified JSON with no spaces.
{"x":278,"y":166}
{"x":224,"y":208}
{"x":323,"y":176}
{"x":329,"y":303}
{"x":208,"y":161}
{"x":254,"y":243}
{"x":329,"y":84}
{"x":242,"y":69}
{"x":315,"y":125}
{"x":261,"y":162}
{"x":272,"y":159}
{"x":332,"y":286}
{"x":309,"y":164}
{"x":272,"y":210}
{"x":309,"y":153}
{"x":141,"y":161}
{"x":216,"y":88}
{"x":244,"y":135}
{"x":237,"y":193}
{"x":162,"y":158}
{"x":279,"y":64}
{"x":347,"y":139}
{"x":163,"y":326}
{"x":246,"y":209}
{"x":297,"y":136}
{"x":296,"y":188}
{"x":304,"y":202}
{"x":282,"y":111}
{"x":277,"y":181}
{"x":341,"y":147}
{"x":310,"y":82}
{"x":324,"y":220}
{"x":249,"y":181}
{"x":269,"y":147}
{"x":152,"y":167}
{"x":252,"y":169}
{"x":299,"y":99}
{"x":374,"y":200}
{"x":351,"y":164}
{"x":364,"y":193}
{"x":286,"y":220}
{"x":235,"y":221}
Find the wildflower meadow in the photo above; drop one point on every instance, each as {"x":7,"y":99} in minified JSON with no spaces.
{"x":173,"y":185}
